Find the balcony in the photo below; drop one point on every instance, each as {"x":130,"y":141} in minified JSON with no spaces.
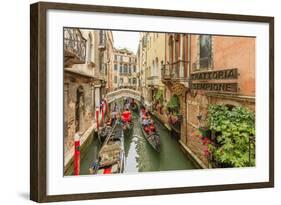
{"x":74,"y":47}
{"x":174,"y":71}
{"x":127,"y":85}
{"x":125,"y":74}
{"x":152,"y":81}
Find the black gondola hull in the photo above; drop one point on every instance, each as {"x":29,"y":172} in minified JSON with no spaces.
{"x":153,"y":139}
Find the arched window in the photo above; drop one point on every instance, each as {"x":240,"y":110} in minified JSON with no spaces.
{"x":205,"y":51}
{"x":171,"y":45}
{"x":156,"y":67}
{"x":79,"y":110}
{"x":177,"y":47}
{"x":153,"y":68}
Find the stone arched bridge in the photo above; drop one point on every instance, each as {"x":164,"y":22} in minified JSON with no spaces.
{"x":121,"y":93}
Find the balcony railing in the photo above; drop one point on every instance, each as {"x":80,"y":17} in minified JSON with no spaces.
{"x":152,"y":80}
{"x":74,"y":46}
{"x":175,"y":71}
{"x":125,"y":74}
{"x":127,"y":85}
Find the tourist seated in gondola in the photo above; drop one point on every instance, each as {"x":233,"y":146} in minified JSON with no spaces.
{"x":126,"y":116}
{"x":111,"y":120}
{"x":152,"y":127}
{"x":145,"y":121}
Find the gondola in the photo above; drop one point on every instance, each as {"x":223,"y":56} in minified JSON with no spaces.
{"x":127,"y":123}
{"x":134,"y":107}
{"x":103,"y":133}
{"x":127,"y":128}
{"x":111,"y":157}
{"x":153,"y":138}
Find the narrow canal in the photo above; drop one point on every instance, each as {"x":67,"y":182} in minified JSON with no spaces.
{"x":140,"y":156}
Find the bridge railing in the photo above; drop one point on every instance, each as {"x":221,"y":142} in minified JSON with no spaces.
{"x":123,"y":93}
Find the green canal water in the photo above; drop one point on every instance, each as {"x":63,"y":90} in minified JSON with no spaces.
{"x":141,"y":157}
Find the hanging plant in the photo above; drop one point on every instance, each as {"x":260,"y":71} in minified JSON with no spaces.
{"x":159,"y":96}
{"x":174,"y":104}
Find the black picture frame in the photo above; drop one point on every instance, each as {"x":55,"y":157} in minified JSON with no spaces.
{"x":38,"y":100}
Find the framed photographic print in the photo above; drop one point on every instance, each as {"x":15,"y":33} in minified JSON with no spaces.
{"x":135,"y":102}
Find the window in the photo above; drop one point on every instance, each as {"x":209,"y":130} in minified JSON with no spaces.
{"x":121,"y":69}
{"x":129,"y":80}
{"x":105,"y":69}
{"x":205,"y":51}
{"x":102,"y":38}
{"x":177,"y":48}
{"x":130,"y":71}
{"x":115,"y":57}
{"x":135,"y":69}
{"x":134,"y":81}
{"x":171,"y":47}
{"x":115,"y":79}
{"x":125,"y":68}
{"x":115,"y":67}
{"x":121,"y":58}
{"x":121,"y":80}
{"x":156,"y":68}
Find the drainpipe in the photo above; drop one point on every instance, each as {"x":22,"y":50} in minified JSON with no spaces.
{"x":188,"y":75}
{"x":189,"y":56}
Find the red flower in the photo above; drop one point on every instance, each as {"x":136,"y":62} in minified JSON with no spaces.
{"x":206,"y":152}
{"x":206,"y":141}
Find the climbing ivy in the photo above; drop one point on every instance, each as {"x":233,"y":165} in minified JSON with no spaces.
{"x":234,"y":128}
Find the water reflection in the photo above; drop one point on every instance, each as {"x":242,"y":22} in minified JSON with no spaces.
{"x":141,"y":157}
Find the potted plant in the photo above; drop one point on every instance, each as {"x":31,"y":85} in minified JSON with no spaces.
{"x":205,"y":132}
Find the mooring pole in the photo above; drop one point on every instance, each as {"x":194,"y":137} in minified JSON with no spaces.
{"x":97,"y":118}
{"x":102,"y":114}
{"x":76,"y":154}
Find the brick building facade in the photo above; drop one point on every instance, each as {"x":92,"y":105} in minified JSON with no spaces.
{"x":201,"y":70}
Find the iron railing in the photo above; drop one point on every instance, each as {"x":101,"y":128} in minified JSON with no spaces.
{"x":75,"y":44}
{"x":175,"y":71}
{"x":152,"y":80}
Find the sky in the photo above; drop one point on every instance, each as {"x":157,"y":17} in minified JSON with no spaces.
{"x":125,"y":39}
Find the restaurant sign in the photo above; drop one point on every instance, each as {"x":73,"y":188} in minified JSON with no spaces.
{"x":205,"y":80}
{"x":216,"y":75}
{"x":223,"y":87}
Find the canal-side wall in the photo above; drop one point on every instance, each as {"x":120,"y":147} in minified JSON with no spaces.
{"x":85,"y":141}
{"x":198,"y":106}
{"x":188,"y":151}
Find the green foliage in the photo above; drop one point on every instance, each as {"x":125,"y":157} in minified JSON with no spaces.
{"x":235,"y":128}
{"x":159,"y":96}
{"x":174,"y":103}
